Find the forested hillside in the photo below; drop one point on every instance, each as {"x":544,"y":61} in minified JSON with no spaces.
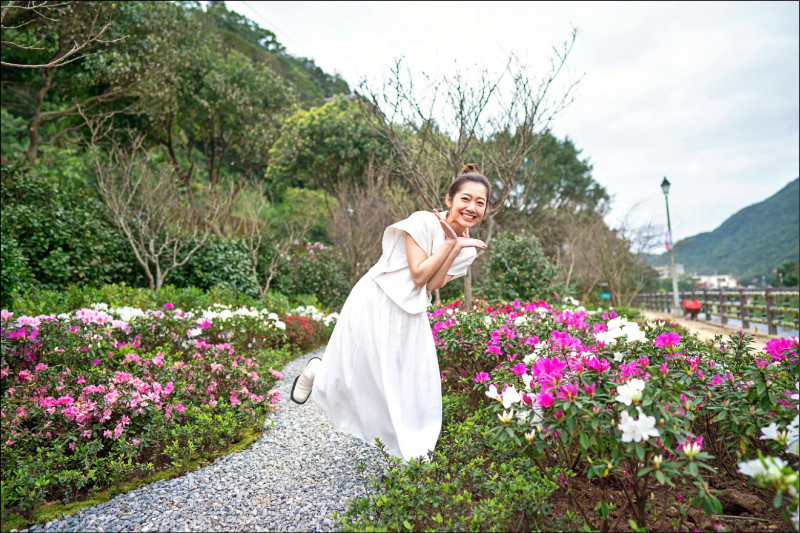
{"x":751,"y":243}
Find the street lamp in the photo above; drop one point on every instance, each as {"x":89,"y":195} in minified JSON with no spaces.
{"x":665,"y":187}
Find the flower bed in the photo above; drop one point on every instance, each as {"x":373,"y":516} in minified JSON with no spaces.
{"x":97,"y":396}
{"x":612,"y":411}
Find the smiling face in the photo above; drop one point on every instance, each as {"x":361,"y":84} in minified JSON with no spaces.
{"x":467,"y":206}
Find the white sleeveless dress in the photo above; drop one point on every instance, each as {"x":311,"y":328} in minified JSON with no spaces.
{"x":379,"y":375}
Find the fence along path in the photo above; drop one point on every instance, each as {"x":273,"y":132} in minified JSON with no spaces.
{"x":775,"y":309}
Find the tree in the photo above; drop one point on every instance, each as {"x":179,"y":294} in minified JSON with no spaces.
{"x":597,"y":254}
{"x":435,"y":131}
{"x":89,"y":57}
{"x":325,"y":147}
{"x":146,"y":204}
{"x":788,"y":274}
{"x":226,"y":107}
{"x":267,"y":244}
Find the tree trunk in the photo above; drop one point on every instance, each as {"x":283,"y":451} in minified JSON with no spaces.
{"x":36,"y":121}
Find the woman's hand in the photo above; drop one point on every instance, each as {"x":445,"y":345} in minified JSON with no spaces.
{"x":449,"y":233}
{"x":469,"y":242}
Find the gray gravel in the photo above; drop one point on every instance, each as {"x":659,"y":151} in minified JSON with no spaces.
{"x":293,"y":478}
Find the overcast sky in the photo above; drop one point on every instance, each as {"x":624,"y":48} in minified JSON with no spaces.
{"x":705,"y":94}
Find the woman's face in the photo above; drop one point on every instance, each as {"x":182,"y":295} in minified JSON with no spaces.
{"x":469,"y":204}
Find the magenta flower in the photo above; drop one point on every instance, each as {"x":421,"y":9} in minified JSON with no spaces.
{"x":567,"y":392}
{"x":667,"y":340}
{"x":590,"y":389}
{"x":519,"y":369}
{"x":169,"y":306}
{"x":762,"y":364}
{"x":480,"y":377}
{"x":545,"y":399}
{"x":778,"y":349}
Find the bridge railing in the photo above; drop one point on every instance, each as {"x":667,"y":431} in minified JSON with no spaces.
{"x":772,"y":307}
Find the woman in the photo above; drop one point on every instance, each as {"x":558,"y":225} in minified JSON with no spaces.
{"x":379,"y":375}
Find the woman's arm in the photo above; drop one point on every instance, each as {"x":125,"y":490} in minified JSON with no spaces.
{"x":441,"y":277}
{"x":422,"y":267}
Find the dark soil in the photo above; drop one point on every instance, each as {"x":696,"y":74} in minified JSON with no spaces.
{"x":745,"y":508}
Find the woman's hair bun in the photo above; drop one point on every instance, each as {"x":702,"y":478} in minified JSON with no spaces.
{"x":470,"y":168}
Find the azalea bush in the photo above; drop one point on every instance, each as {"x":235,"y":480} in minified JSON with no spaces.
{"x":633,"y":405}
{"x":97,"y":396}
{"x":607,"y":410}
{"x":473,"y":482}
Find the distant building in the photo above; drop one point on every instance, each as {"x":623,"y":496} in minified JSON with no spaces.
{"x":717,"y":281}
{"x":665,"y":272}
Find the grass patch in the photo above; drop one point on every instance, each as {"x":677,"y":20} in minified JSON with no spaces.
{"x":47,"y":511}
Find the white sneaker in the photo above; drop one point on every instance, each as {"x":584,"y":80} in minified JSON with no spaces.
{"x":301,"y":389}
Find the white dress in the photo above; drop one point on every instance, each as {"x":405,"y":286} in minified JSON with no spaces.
{"x":379,"y":375}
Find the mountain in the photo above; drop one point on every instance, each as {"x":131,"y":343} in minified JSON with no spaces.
{"x":750,"y":243}
{"x":311,"y":83}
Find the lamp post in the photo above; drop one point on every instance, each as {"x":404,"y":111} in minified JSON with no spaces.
{"x":665,"y":187}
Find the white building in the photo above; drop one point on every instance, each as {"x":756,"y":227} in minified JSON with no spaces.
{"x":718,"y":281}
{"x":665,"y":272}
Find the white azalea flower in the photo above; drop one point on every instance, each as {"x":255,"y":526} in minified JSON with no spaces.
{"x":487,"y":321}
{"x":618,"y":357}
{"x":510,"y":396}
{"x":630,"y":392}
{"x":526,"y":379}
{"x":618,"y":322}
{"x":637,"y":429}
{"x":492,"y":393}
{"x":768,"y":467}
{"x":280,"y":325}
{"x":506,"y":417}
{"x":771,"y":432}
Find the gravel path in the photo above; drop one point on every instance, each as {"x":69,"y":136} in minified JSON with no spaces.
{"x":292,"y":479}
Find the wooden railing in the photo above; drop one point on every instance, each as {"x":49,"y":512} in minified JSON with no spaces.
{"x":773,"y":307}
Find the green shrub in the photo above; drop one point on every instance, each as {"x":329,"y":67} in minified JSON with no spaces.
{"x":516,"y":269}
{"x":15,"y":275}
{"x":314,"y":269}
{"x":470,"y":484}
{"x":222,"y":263}
{"x":57,"y":221}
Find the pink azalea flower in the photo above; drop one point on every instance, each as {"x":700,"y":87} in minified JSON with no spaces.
{"x":118,"y":431}
{"x":179,"y":407}
{"x":519,"y":369}
{"x":545,"y":399}
{"x":567,"y":392}
{"x":667,"y":340}
{"x":136,"y":442}
{"x":481,"y":377}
